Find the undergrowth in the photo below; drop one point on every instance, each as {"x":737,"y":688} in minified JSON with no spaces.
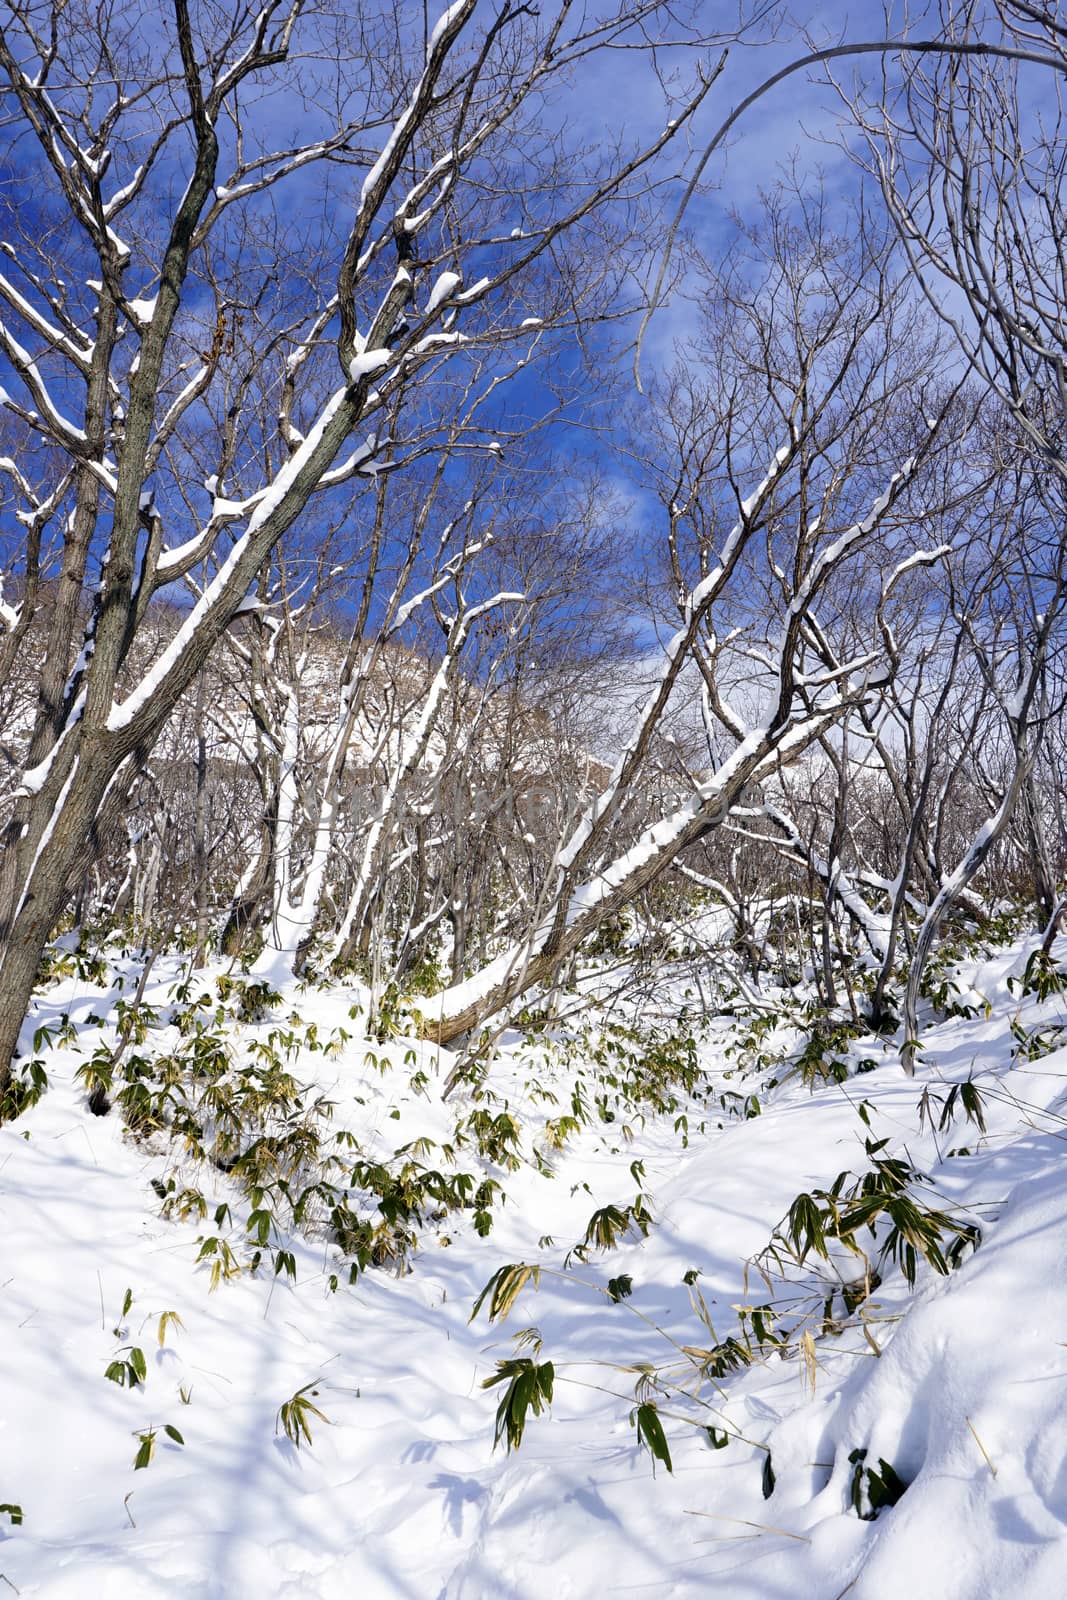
{"x":212,"y":1083}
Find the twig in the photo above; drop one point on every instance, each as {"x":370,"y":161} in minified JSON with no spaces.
{"x":763,"y":1527}
{"x":981,"y":1446}
{"x":129,"y":1513}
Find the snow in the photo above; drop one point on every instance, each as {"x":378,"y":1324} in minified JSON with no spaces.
{"x":28,"y":371}
{"x":437,"y":341}
{"x":41,"y":324}
{"x":358,"y":460}
{"x":1015,"y":703}
{"x":400,"y":1493}
{"x":919,"y":558}
{"x":49,"y":827}
{"x":121,"y":195}
{"x":369,"y":361}
{"x":9,"y":615}
{"x":34,"y":778}
{"x":120,"y":247}
{"x":122,"y":715}
{"x":379,"y":167}
{"x":475,"y":291}
{"x":443,"y":23}
{"x":170,"y":561}
{"x":446,"y":284}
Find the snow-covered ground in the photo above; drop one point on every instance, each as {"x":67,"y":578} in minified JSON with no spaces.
{"x":959,"y":1386}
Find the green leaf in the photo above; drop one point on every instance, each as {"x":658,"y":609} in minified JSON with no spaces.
{"x":172,"y":1433}
{"x":145,"y":1453}
{"x":168,"y":1319}
{"x":13,"y":1512}
{"x":806,"y":1227}
{"x":972,"y":1103}
{"x":650,"y":1432}
{"x":259,"y":1224}
{"x":294,"y":1415}
{"x":621,"y":1288}
{"x":139,"y":1364}
{"x":529,"y":1387}
{"x":886,"y":1486}
{"x":503,"y":1289}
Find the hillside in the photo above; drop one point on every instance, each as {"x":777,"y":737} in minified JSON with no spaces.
{"x":954,"y":1388}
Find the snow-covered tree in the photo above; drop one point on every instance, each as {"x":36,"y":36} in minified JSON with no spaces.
{"x":297,"y":214}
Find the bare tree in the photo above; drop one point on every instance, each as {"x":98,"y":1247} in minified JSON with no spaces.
{"x":162,"y":291}
{"x":806,"y":340}
{"x":969,"y":155}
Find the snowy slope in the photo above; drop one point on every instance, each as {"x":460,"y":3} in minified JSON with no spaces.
{"x":400,"y":1493}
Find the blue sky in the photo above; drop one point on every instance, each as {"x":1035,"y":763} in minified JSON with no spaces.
{"x":796,"y":126}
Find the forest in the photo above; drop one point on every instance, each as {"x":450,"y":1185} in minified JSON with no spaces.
{"x":533,"y":832}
